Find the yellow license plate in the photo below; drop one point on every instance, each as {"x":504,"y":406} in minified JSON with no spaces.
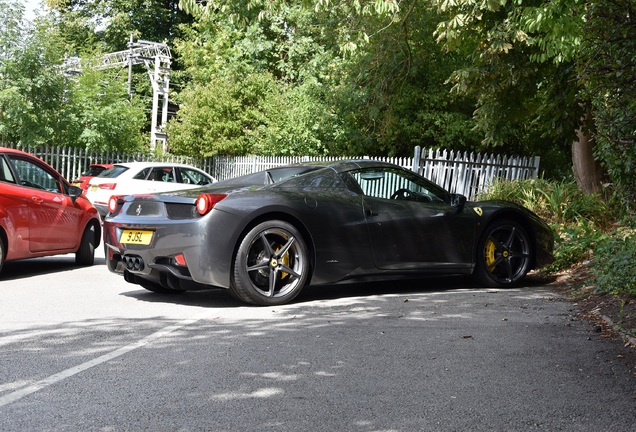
{"x":139,"y":237}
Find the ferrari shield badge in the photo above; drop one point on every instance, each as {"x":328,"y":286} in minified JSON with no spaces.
{"x":479,"y":211}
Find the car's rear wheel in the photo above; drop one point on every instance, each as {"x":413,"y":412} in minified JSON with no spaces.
{"x":85,"y":255}
{"x":504,"y":254}
{"x":271,"y":265}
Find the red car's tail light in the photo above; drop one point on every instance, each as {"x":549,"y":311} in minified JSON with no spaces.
{"x":108,"y":186}
{"x":206,"y":202}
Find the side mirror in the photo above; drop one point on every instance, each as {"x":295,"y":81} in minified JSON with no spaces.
{"x":458,"y":202}
{"x":74,"y":192}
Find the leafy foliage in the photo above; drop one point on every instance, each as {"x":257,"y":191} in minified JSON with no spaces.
{"x":354,"y":78}
{"x":614,"y":265}
{"x":580,"y":221}
{"x":520,"y":69}
{"x":32,"y":87}
{"x":609,"y":75}
{"x":40,"y":104}
{"x":106,"y":25}
{"x":557,"y":202}
{"x":108,"y":119}
{"x":255,"y":86}
{"x":586,"y":229}
{"x":342,"y":77}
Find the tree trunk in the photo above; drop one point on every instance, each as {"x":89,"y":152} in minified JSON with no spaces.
{"x":587,"y":171}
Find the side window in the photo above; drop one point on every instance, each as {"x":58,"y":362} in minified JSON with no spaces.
{"x":5,"y":171}
{"x":190,"y":176}
{"x":141,"y":175}
{"x":392,"y":184}
{"x":34,"y":176}
{"x":163,"y":174}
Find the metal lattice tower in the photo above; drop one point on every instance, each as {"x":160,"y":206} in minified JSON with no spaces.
{"x":156,"y":57}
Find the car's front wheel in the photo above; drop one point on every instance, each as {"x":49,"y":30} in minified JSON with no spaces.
{"x":504,"y":254}
{"x":85,"y":255}
{"x":271,"y":265}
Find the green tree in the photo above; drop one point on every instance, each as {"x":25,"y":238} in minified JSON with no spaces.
{"x":394,"y":91}
{"x":256,"y":83}
{"x":41,"y":104}
{"x":607,"y":72}
{"x":106,"y":25}
{"x":523,"y":73}
{"x":32,"y":86}
{"x":105,"y":117}
{"x":367,"y":78}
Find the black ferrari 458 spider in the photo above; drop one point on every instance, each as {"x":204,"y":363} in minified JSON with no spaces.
{"x":265,"y":236}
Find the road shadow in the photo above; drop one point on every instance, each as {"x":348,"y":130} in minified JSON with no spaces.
{"x":221,"y":298}
{"x":212,"y":298}
{"x":21,"y":269}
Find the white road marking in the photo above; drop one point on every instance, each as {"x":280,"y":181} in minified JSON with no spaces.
{"x":55,"y":378}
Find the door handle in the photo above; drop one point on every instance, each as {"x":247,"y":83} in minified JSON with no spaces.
{"x":369,"y":212}
{"x":36,"y":200}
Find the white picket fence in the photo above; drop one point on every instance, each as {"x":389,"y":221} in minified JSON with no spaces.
{"x":468,"y":173}
{"x":458,"y":172}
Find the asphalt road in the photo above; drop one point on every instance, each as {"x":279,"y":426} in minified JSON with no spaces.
{"x":81,"y":350}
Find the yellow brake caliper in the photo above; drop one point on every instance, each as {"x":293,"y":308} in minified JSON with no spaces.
{"x":284,"y":260}
{"x":490,"y":253}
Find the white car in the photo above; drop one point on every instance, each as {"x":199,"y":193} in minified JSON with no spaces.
{"x":143,"y":177}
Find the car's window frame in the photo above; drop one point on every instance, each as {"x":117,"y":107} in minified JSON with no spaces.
{"x":160,"y":169}
{"x":193,"y":173}
{"x":410,"y":181}
{"x":19,"y":164}
{"x":279,"y":175}
{"x":6,"y":172}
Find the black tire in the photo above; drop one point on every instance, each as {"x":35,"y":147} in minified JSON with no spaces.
{"x":85,"y":255}
{"x":271,"y":266}
{"x":3,"y":251}
{"x":504,"y":254}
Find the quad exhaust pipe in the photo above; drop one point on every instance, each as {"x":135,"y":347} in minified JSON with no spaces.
{"x":133,"y":263}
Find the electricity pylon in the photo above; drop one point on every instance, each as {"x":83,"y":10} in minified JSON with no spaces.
{"x":156,"y":57}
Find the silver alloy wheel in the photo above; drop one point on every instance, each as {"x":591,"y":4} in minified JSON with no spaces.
{"x":271,"y":265}
{"x":274,"y":262}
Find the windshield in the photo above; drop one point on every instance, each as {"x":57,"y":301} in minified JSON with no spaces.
{"x":94,"y":170}
{"x":113,"y":172}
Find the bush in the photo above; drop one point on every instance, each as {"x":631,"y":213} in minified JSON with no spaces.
{"x":575,"y":243}
{"x":578,"y":220}
{"x":556,"y":202}
{"x":614,"y":265}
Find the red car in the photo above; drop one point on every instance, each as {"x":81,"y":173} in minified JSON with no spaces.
{"x":41,"y":214}
{"x":93,"y":171}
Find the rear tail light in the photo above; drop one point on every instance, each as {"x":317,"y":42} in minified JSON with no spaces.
{"x":107,"y":186}
{"x":206,"y":202}
{"x":113,"y":203}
